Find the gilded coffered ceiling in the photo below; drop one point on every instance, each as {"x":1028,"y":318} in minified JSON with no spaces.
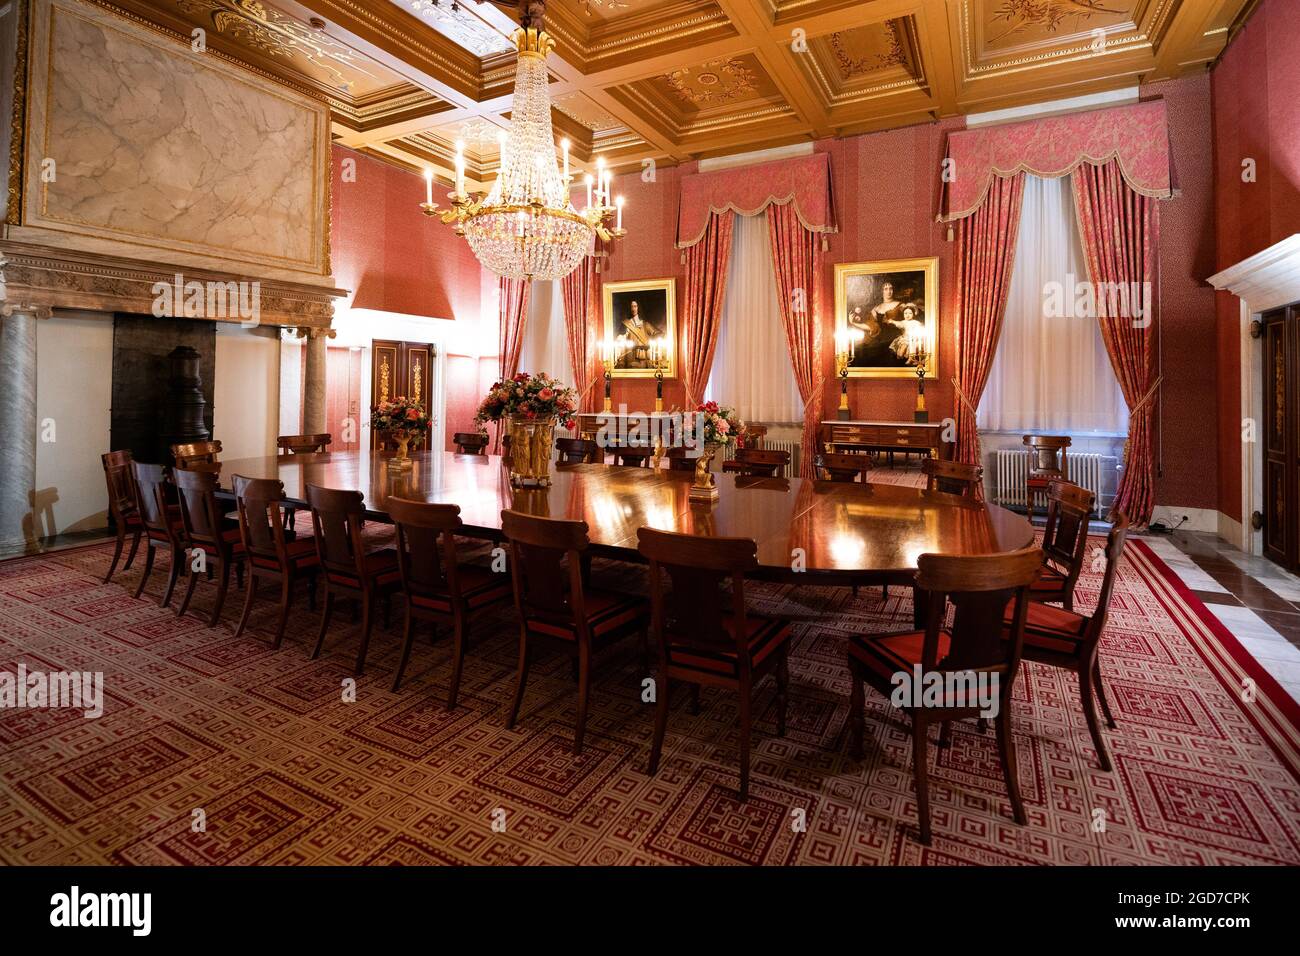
{"x":672,"y":80}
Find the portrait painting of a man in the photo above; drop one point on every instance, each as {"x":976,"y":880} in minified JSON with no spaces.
{"x":639,"y":316}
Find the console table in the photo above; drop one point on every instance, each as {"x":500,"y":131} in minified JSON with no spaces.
{"x":925,"y":438}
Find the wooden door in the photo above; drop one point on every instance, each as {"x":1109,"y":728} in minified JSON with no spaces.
{"x":1281,"y":444}
{"x":401,"y":370}
{"x":343,"y":412}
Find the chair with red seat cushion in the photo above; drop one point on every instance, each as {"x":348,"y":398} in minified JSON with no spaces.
{"x":1065,"y":639}
{"x":350,"y":572}
{"x":1065,"y":540}
{"x":438,"y":588}
{"x":121,"y":506}
{"x":979,"y":588}
{"x":554,"y":602}
{"x":161,"y":521}
{"x":274,"y":554}
{"x":701,"y":639}
{"x":204,"y":528}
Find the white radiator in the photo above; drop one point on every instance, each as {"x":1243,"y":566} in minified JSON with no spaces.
{"x":1012,"y":466}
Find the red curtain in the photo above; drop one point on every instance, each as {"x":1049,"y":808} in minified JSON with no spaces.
{"x":513,"y":294}
{"x":1120,"y":231}
{"x":579,"y":290}
{"x":796,"y":258}
{"x":706,"y":281}
{"x":986,"y":248}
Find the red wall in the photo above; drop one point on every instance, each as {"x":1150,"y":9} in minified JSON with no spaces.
{"x":394,"y":258}
{"x":1186,"y":307}
{"x":1256,"y":108}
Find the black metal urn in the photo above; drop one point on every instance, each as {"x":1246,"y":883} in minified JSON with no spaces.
{"x":185,"y":407}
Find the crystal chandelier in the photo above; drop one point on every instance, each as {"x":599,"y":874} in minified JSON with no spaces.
{"x":527,"y":227}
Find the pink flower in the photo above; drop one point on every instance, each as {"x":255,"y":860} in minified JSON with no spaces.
{"x":546,"y":394}
{"x":722,"y":426}
{"x":412,"y":414}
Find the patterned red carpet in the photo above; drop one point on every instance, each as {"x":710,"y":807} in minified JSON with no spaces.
{"x":284,"y":771}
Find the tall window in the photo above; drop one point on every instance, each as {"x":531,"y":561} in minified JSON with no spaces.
{"x":546,"y":340}
{"x":751,"y":367}
{"x":1051,"y":372}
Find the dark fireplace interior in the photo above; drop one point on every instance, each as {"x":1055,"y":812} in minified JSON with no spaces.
{"x":153,"y":407}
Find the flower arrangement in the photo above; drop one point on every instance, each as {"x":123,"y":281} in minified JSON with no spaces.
{"x":528,"y":397}
{"x":722,"y":426}
{"x":402,"y":417}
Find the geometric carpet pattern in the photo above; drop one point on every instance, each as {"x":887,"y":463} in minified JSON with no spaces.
{"x":214,"y":750}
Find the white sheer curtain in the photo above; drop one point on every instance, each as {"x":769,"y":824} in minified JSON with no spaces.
{"x":1051,"y":372}
{"x":751,"y":367}
{"x":546,"y":347}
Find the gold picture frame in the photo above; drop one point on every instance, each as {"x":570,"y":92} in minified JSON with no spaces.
{"x":894,"y":331}
{"x":656,"y":307}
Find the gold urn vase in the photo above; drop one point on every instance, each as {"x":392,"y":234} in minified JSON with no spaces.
{"x":532,"y":441}
{"x":401,"y":460}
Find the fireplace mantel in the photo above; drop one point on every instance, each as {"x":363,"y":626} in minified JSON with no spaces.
{"x":52,"y":278}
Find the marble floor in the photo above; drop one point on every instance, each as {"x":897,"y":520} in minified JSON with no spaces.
{"x":1254,"y":598}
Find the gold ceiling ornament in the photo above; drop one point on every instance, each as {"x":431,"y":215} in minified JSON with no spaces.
{"x":1048,"y":14}
{"x":527,"y":227}
{"x":608,"y":6}
{"x":275,"y":34}
{"x":851,"y":66}
{"x":713,"y":83}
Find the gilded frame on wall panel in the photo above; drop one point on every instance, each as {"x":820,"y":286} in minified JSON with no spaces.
{"x":895,"y":305}
{"x":654,"y":316}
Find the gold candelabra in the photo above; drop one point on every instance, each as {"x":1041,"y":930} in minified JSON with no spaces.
{"x":846,"y":341}
{"x":608,"y":352}
{"x":659,"y":359}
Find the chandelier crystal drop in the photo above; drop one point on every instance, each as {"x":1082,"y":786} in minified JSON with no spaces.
{"x":527,"y":227}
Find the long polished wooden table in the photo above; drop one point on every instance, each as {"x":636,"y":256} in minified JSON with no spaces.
{"x":834,"y":532}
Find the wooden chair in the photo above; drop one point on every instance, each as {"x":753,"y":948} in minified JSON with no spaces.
{"x":351,"y":572}
{"x":554,"y":602}
{"x":843,"y":468}
{"x":952,"y":477}
{"x":1069,"y":640}
{"x":678,"y":460}
{"x":204,"y":528}
{"x":1065,"y":542}
{"x":633,"y":456}
{"x":470,"y":443}
{"x":701,"y":639}
{"x":758,"y":462}
{"x":196,"y":453}
{"x":1046,"y":464}
{"x":303,"y":444}
{"x":576,"y":451}
{"x":121,"y":505}
{"x":274,"y":555}
{"x":438,"y":588}
{"x":161,"y":521}
{"x":980,"y":588}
